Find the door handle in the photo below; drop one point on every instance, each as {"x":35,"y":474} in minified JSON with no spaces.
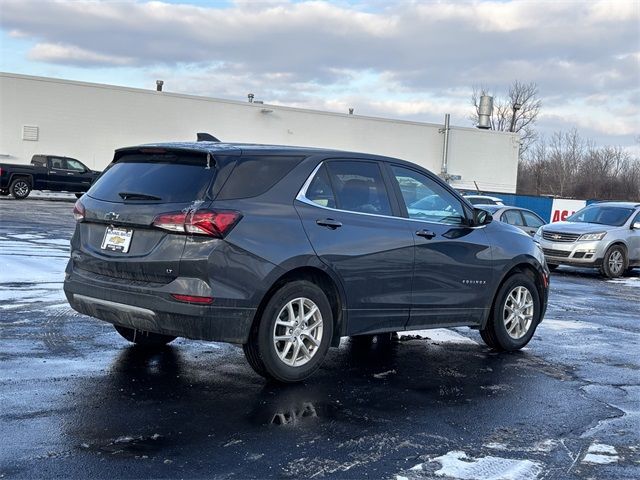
{"x":428,"y":234}
{"x":329,"y":223}
{"x":69,"y":173}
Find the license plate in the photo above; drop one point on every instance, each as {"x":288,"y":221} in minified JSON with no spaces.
{"x":117,"y":239}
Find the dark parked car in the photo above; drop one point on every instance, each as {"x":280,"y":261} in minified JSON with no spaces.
{"x":285,"y":250}
{"x":522,"y":218}
{"x":46,"y":172}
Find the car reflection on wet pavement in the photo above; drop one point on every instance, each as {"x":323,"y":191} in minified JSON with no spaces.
{"x":78,"y":401}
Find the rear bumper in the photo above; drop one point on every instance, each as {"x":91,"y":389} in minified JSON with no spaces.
{"x":152,"y":309}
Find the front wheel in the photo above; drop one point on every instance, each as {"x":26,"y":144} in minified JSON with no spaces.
{"x":614,"y":262}
{"x":20,"y":188}
{"x":515,"y":315}
{"x":293,"y":334}
{"x":146,"y":339}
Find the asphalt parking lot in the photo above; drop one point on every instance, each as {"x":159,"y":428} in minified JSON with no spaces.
{"x":77,"y":401}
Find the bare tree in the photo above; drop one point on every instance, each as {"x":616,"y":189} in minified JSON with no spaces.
{"x":567,"y":165}
{"x":517,"y":111}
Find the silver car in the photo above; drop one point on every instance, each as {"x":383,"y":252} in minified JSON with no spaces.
{"x":602,"y":235}
{"x":522,"y":218}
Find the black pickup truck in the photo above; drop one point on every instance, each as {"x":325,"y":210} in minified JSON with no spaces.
{"x":46,"y":172}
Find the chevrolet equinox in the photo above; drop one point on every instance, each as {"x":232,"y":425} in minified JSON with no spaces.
{"x":284,"y":250}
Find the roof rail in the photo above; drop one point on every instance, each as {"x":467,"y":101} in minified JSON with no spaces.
{"x":206,"y":137}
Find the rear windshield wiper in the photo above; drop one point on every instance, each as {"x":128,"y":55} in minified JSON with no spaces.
{"x":137,"y":196}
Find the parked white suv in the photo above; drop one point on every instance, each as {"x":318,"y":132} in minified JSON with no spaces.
{"x":602,"y":235}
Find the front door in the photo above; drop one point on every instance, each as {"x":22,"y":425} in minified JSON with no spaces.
{"x":347,"y":213}
{"x":452,"y":260}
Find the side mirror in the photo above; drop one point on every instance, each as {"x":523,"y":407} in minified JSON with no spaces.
{"x":481,"y":217}
{"x":635,"y":226}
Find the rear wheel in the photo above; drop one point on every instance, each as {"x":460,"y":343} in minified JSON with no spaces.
{"x":140,"y":337}
{"x":515,"y":314}
{"x":614,"y":262}
{"x":293,"y":334}
{"x":20,"y":188}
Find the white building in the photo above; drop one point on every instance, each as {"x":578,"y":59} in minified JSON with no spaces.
{"x":89,"y":121}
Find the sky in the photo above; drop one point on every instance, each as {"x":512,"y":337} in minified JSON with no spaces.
{"x":412,"y":60}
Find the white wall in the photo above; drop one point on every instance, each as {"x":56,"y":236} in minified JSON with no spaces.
{"x":88,"y":121}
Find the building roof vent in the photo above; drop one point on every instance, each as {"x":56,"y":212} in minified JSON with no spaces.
{"x":485,"y":110}
{"x":30,"y":133}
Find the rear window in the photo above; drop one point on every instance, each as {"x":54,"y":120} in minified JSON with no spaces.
{"x":253,"y":176}
{"x":172,"y":178}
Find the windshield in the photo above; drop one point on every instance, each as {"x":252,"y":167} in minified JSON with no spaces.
{"x":602,"y":215}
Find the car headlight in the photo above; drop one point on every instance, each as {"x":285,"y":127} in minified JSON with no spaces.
{"x":593,"y":236}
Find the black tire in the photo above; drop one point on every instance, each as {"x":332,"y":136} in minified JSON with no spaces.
{"x":614,"y":262}
{"x":260,"y":350}
{"x":552,"y":267}
{"x":20,"y":188}
{"x":495,"y":333}
{"x":146,"y":339}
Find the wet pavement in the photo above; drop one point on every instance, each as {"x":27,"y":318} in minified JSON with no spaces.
{"x":77,"y":401}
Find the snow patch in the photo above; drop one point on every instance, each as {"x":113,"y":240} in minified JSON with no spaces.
{"x":564,"y":325}
{"x":440,"y":335}
{"x":384,"y":374}
{"x":601,"y":454}
{"x":458,"y":465}
{"x":631,"y":282}
{"x":599,"y":459}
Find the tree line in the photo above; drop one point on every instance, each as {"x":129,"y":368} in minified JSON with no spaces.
{"x":565,"y":164}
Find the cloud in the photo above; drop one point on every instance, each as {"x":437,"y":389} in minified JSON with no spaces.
{"x":402,"y":59}
{"x":72,"y":55}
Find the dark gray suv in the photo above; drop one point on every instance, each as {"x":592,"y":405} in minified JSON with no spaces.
{"x":286,"y":250}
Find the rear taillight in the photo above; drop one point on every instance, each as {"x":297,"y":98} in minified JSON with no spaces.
{"x":78,"y":211}
{"x":202,"y":222}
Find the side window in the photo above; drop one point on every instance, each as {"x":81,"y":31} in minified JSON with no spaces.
{"x":426,"y":199}
{"x":74,"y":165}
{"x":255,"y":175}
{"x":320,"y":190}
{"x":532,"y":220}
{"x":359,"y":187}
{"x":58,"y":163}
{"x":512,"y":217}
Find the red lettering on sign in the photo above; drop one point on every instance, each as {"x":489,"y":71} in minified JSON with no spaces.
{"x":561,"y":215}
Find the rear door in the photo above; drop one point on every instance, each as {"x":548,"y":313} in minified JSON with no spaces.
{"x":347,"y":213}
{"x":452,"y":260}
{"x":117,"y":238}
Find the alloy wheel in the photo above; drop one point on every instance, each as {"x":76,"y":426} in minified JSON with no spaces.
{"x":518,"y":312}
{"x":21,"y":189}
{"x":297,"y":333}
{"x":616,"y":262}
